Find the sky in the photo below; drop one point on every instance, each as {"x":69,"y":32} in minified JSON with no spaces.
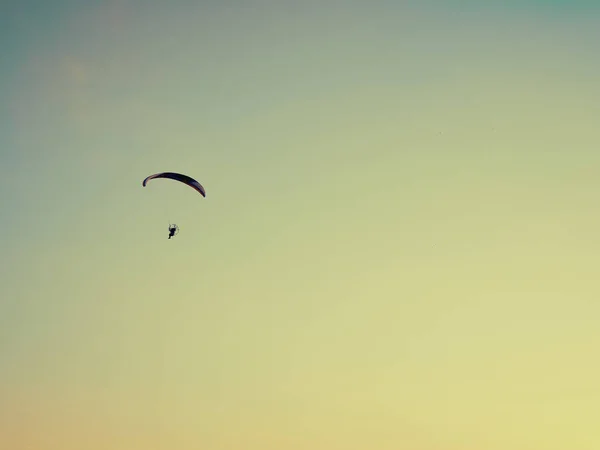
{"x":398,"y":249}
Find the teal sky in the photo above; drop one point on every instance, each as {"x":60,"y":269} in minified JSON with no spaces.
{"x":398,"y":248}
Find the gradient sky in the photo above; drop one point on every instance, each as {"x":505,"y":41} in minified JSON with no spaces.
{"x":399,"y":248}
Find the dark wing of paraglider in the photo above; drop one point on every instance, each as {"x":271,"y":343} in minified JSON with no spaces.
{"x":178,"y":177}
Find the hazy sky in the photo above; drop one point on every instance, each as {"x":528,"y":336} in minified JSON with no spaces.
{"x":399,"y":248}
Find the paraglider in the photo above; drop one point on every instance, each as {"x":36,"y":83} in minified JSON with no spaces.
{"x":173,"y":228}
{"x":178,"y":177}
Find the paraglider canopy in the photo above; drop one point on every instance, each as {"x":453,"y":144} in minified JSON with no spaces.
{"x":177,"y":177}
